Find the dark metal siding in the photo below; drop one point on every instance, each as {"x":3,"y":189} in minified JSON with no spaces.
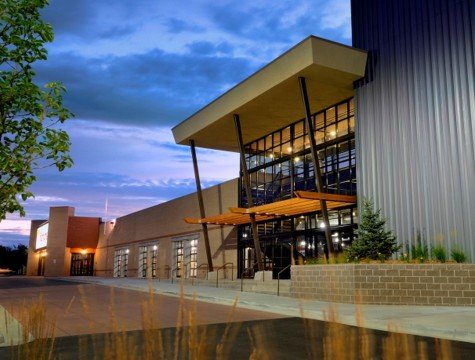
{"x":416,"y":116}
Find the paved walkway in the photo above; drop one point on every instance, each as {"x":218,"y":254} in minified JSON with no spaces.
{"x":453,"y":323}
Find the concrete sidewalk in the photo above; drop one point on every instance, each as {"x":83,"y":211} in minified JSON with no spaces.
{"x":453,"y":323}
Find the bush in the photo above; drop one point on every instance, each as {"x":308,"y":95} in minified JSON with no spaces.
{"x":458,"y":255}
{"x":374,"y":241}
{"x":439,"y":253}
{"x":419,"y":250}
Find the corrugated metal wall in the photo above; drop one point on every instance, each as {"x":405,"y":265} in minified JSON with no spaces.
{"x":416,"y":116}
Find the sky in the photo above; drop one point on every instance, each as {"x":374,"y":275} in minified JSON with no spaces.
{"x":136,"y":68}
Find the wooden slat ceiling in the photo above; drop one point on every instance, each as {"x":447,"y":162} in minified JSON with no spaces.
{"x":305,"y":202}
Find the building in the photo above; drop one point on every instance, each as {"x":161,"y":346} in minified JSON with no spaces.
{"x":63,"y":244}
{"x":267,"y":119}
{"x":392,"y":119}
{"x":151,"y":243}
{"x":415,"y":114}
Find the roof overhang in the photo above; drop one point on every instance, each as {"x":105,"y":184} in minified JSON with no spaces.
{"x":305,"y":202}
{"x":270,"y":98}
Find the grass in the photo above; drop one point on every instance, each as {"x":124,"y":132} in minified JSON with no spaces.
{"x":191,"y":341}
{"x":458,"y":255}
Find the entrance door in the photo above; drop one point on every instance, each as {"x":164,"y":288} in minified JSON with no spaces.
{"x":41,"y":266}
{"x":82,"y":264}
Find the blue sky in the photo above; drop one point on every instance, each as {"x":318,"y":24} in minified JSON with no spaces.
{"x":136,"y":68}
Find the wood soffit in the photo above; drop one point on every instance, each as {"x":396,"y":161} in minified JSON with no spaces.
{"x":305,"y":202}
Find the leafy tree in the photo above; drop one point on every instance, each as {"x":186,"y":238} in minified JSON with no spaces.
{"x":373,"y":241}
{"x":29,"y":115}
{"x":13,"y":258}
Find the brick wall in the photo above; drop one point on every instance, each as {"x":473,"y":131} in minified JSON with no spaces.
{"x":396,"y":284}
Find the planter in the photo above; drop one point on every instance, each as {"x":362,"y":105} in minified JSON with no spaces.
{"x":388,"y":284}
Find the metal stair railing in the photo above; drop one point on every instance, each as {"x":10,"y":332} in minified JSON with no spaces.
{"x":198,"y":268}
{"x":224,"y":268}
{"x":248,"y":269}
{"x":175,"y":270}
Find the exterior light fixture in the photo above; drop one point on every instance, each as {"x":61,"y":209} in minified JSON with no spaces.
{"x":297,"y":159}
{"x":155,"y":247}
{"x":84,"y":251}
{"x":127,"y":251}
{"x":271,"y":156}
{"x":244,"y":235}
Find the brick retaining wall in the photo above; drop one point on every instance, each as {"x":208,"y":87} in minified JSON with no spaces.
{"x":395,"y":284}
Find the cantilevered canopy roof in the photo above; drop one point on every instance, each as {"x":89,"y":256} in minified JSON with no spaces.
{"x":305,"y":202}
{"x":270,"y":99}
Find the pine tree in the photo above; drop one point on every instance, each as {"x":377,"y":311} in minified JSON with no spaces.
{"x":373,"y":241}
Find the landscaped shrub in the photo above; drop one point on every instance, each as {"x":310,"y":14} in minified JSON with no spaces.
{"x":458,"y":255}
{"x":419,"y":250}
{"x":439,"y":253}
{"x":374,"y":241}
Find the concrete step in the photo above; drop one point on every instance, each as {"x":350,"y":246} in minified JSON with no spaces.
{"x":249,"y":285}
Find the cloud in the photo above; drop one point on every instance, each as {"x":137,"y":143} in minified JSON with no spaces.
{"x":22,"y":226}
{"x":40,"y":198}
{"x":153,"y":88}
{"x":14,"y":232}
{"x":337,"y":16}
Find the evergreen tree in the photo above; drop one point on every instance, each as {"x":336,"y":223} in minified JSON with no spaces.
{"x":373,"y":241}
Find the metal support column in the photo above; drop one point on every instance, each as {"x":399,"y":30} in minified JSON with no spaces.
{"x":201,"y":204}
{"x":316,"y":164}
{"x":247,"y":186}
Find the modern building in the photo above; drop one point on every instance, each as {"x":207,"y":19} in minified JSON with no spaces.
{"x":415,"y":116}
{"x":391,"y":119}
{"x":267,"y":118}
{"x":151,"y":243}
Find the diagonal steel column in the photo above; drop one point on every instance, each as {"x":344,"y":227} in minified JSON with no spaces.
{"x":201,"y":204}
{"x":247,"y":186}
{"x":316,"y":163}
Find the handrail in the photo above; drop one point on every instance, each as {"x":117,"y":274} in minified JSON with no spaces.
{"x":245,"y":270}
{"x":184,"y":272}
{"x":197,"y":268}
{"x":200,"y":266}
{"x":224,"y":267}
{"x":278,"y":278}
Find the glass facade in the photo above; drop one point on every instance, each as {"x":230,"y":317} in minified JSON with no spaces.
{"x":281,"y":163}
{"x":121,"y":262}
{"x":148,"y":261}
{"x":185,"y":257}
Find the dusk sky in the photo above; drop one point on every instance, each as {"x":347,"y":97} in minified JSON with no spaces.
{"x":136,"y":68}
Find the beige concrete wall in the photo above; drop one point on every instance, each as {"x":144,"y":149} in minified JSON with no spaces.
{"x":57,"y":262}
{"x":33,"y":257}
{"x":164,"y":222}
{"x":389,"y":284}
